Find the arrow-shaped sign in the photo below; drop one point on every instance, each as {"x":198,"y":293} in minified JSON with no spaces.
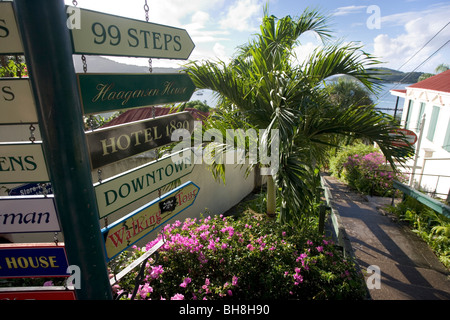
{"x":127,"y":231}
{"x":98,"y":33}
{"x":10,"y":41}
{"x":110,"y":91}
{"x":111,"y":144}
{"x":119,"y":191}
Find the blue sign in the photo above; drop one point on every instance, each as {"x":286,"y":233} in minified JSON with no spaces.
{"x":32,"y":189}
{"x":39,"y":261}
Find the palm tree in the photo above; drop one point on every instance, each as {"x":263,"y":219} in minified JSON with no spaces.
{"x":263,"y":89}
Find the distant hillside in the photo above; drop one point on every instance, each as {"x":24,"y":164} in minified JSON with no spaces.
{"x":97,"y":64}
{"x":390,"y":75}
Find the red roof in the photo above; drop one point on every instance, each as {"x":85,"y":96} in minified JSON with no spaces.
{"x":439,"y":82}
{"x":147,"y":113}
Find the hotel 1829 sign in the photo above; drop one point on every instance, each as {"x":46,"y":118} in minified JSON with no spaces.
{"x":112,"y":144}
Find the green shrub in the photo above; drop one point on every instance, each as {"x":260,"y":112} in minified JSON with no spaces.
{"x":432,"y":227}
{"x":252,"y":257}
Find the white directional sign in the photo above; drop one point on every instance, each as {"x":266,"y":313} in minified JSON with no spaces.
{"x":16,"y":101}
{"x":22,"y":162}
{"x":9,"y":33}
{"x":28,"y":214}
{"x":104,"y":34}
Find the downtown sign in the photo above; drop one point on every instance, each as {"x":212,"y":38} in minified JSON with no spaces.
{"x":126,"y":231}
{"x":119,"y":191}
{"x":112,"y":144}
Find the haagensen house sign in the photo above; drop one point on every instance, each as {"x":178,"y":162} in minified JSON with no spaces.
{"x":107,"y":92}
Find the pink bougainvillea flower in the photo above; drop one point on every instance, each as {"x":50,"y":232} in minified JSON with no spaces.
{"x":177,"y":296}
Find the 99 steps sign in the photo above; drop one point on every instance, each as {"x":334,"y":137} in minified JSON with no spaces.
{"x":103,"y":34}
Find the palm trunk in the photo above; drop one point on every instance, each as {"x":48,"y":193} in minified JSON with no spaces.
{"x":271,"y":196}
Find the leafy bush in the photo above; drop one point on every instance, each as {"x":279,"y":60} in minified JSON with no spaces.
{"x":252,"y":257}
{"x":432,"y":227}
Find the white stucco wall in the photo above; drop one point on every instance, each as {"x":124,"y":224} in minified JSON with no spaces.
{"x":427,"y":170}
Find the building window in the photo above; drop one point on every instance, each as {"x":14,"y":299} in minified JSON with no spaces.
{"x":446,"y":145}
{"x":433,"y":123}
{"x":408,"y":114}
{"x":419,"y":118}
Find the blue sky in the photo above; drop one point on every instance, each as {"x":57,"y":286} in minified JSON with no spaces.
{"x":392,"y":30}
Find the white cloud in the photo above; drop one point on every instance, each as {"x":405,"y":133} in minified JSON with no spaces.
{"x":242,"y":15}
{"x":219,"y":51}
{"x":343,"y":11}
{"x":418,"y":29}
{"x":303,"y":52}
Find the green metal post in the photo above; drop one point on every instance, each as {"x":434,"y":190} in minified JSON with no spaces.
{"x":48,"y":54}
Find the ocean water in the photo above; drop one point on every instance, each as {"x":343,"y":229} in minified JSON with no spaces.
{"x":384,"y":100}
{"x":206,"y":96}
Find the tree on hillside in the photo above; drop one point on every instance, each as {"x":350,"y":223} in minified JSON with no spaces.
{"x":440,"y":68}
{"x":345,"y":92}
{"x":264,"y":89}
{"x":197,"y":104}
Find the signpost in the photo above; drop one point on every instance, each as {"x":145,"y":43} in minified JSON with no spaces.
{"x":10,"y":42}
{"x":16,"y":101}
{"x":107,"y":92}
{"x":117,"y":192}
{"x":22,"y":162}
{"x":111,"y":144}
{"x":28,"y":214}
{"x":48,"y":53}
{"x":33,"y":261}
{"x":105,"y":34}
{"x":48,"y":38}
{"x":401,"y":134}
{"x":126,"y":231}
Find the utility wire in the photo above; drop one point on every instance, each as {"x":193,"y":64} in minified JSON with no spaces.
{"x":425,"y":45}
{"x":409,"y":73}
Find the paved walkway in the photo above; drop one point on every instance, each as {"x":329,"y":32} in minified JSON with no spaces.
{"x":409,"y":269}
